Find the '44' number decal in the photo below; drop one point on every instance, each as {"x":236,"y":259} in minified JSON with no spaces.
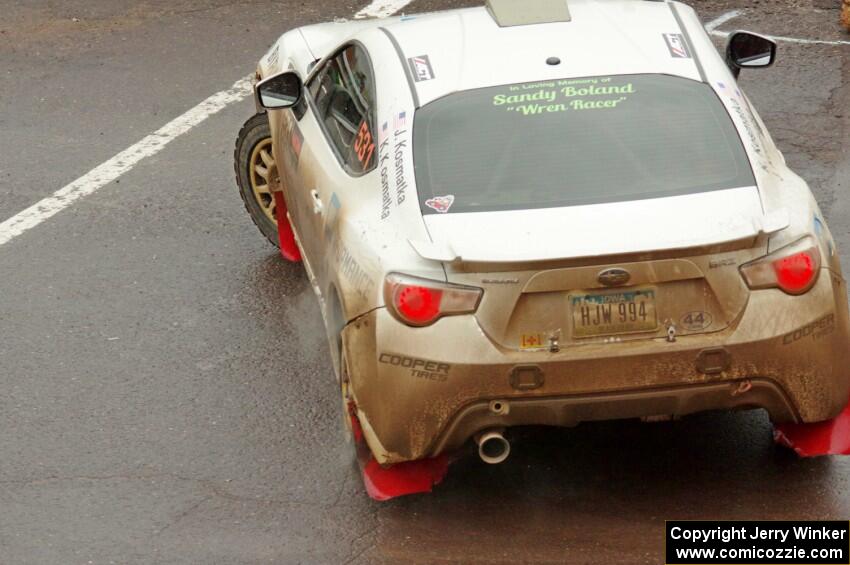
{"x":696,"y":320}
{"x":364,"y":145}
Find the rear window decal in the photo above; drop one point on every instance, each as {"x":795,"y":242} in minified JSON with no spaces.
{"x":677,"y":46}
{"x":563,"y":96}
{"x":421,"y":68}
{"x":441,"y":204}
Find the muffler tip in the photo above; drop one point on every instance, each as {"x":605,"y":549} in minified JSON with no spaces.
{"x":493,"y":448}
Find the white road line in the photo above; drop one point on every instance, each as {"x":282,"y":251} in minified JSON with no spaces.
{"x":110,"y":170}
{"x":719,"y":21}
{"x":381,"y":8}
{"x":150,"y":145}
{"x":790,"y":39}
{"x":711,"y":27}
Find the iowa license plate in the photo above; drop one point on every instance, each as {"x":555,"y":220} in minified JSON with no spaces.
{"x":613,"y":313}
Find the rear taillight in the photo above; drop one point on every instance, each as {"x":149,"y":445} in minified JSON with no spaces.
{"x":793,"y":269}
{"x":421,"y":302}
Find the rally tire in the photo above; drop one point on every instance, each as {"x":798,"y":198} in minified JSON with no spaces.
{"x":255,"y":135}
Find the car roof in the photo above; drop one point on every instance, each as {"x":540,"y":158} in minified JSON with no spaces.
{"x":467,"y":49}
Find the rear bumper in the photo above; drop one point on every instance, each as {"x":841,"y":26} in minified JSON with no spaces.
{"x":422,"y":391}
{"x":570,"y":410}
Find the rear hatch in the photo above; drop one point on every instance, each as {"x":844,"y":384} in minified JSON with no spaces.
{"x":631,"y":270}
{"x":526,"y":309}
{"x":590,"y":209}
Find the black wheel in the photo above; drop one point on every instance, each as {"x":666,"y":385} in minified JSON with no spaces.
{"x":253,"y":162}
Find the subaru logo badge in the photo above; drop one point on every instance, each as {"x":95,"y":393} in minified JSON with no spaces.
{"x":614,"y":277}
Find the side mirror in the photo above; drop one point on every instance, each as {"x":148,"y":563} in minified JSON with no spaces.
{"x":746,"y":50}
{"x":279,"y":91}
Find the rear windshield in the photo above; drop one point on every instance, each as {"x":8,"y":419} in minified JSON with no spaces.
{"x":573,"y":142}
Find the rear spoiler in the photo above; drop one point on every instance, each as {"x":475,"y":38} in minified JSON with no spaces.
{"x":768,"y":224}
{"x":442,"y":252}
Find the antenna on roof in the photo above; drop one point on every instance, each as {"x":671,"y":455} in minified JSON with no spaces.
{"x":508,"y":13}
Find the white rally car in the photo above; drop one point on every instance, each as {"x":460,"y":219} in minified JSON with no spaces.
{"x":543,"y":213}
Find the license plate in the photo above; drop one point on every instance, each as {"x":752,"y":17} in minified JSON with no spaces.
{"x":614,"y":313}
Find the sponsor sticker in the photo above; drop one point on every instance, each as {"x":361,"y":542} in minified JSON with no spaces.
{"x":399,"y":153}
{"x":816,"y":330}
{"x":386,"y":197}
{"x":400,"y":121}
{"x":392,"y":153}
{"x":722,"y":86}
{"x":500,"y":281}
{"x":531,"y":342}
{"x":677,"y":46}
{"x":331,"y":221}
{"x":821,"y":233}
{"x":296,"y":139}
{"x":718,"y":263}
{"x":749,"y":125}
{"x":419,"y":368}
{"x":441,"y":204}
{"x":421,"y":68}
{"x":292,"y":156}
{"x":364,"y":145}
{"x":273,"y":55}
{"x":347,"y":263}
{"x":357,"y":276}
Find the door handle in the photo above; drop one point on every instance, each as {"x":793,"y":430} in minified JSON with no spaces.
{"x":317,"y":202}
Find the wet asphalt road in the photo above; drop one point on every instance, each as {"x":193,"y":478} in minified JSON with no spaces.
{"x":166,"y":390}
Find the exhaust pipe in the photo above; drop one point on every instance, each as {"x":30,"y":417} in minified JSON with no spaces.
{"x":493,"y":448}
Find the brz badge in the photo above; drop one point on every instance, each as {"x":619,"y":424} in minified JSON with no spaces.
{"x":614,"y":277}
